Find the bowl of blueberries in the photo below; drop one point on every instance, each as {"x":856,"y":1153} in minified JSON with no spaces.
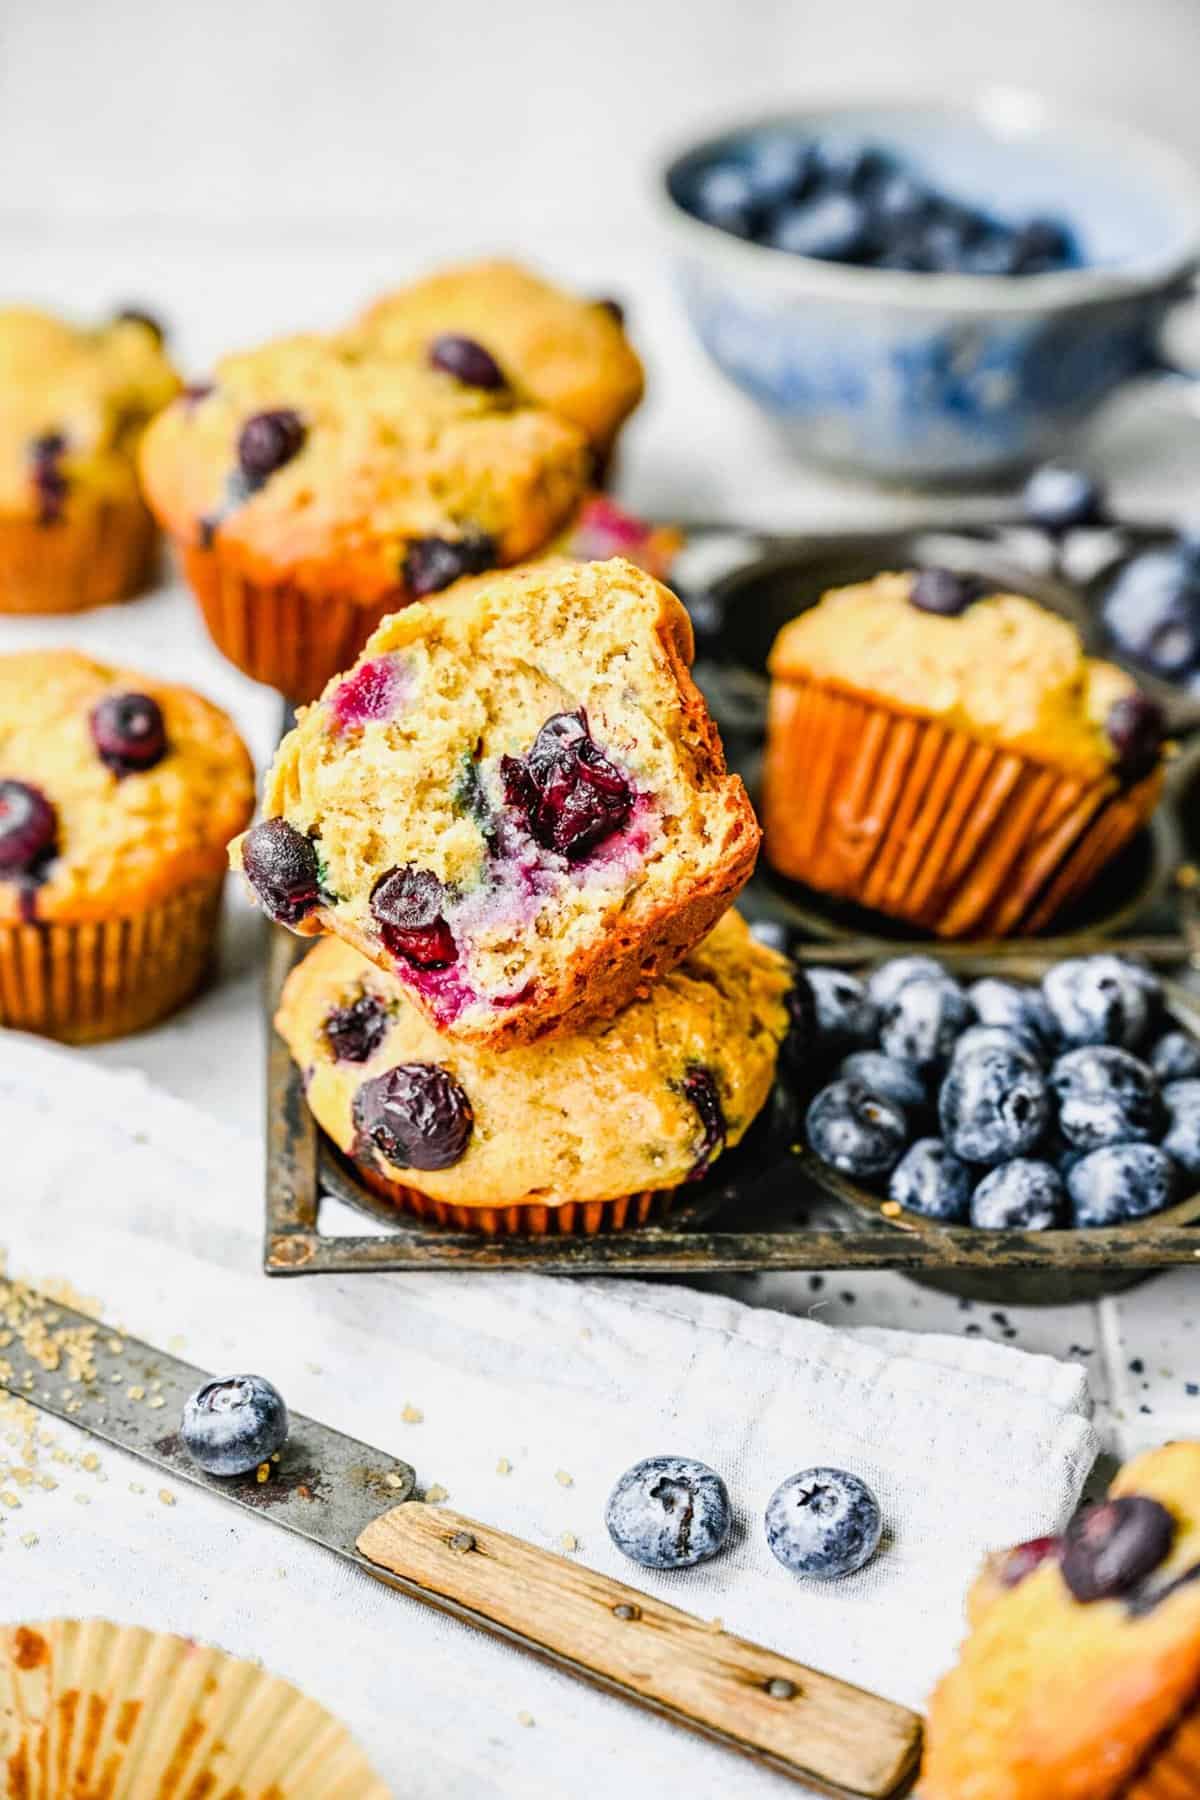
{"x":1005,"y":1107}
{"x":931,"y":291}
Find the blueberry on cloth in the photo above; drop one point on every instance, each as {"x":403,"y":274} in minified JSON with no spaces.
{"x":668,"y":1512}
{"x":233,"y":1425}
{"x":823,"y":1523}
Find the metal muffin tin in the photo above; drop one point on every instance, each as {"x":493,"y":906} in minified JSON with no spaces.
{"x":770,"y":1204}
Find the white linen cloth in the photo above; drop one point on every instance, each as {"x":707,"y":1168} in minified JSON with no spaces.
{"x":154,"y":1209}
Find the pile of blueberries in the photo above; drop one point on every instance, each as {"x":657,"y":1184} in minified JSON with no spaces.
{"x":1003,"y":1105}
{"x":860,"y":203}
{"x":1151,"y":608}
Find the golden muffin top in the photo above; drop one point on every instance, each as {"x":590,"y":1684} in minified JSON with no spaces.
{"x":115,"y":789}
{"x":564,"y":353}
{"x":1084,"y":1652}
{"x":73,"y":405}
{"x":1005,"y":670}
{"x":623,"y":1107}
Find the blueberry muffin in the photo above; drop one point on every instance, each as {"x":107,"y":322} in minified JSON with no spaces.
{"x":594,"y":1131}
{"x":74,"y":530}
{"x":319,"y":484}
{"x":1080,"y":1679}
{"x":118,"y":797}
{"x":515,"y":801}
{"x":564,"y":353}
{"x":950,"y":757}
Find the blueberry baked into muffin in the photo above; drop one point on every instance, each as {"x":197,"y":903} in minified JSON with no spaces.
{"x":118,"y":798}
{"x":528,"y":1140}
{"x":951,"y":757}
{"x":568,"y":354}
{"x":320,"y":482}
{"x":516,"y":801}
{"x":1080,"y":1679}
{"x":74,"y":530}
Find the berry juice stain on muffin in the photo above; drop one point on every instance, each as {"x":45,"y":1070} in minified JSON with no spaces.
{"x":375,"y":691}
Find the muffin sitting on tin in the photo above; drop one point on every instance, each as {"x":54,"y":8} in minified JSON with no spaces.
{"x":74,"y":530}
{"x":118,"y":796}
{"x":950,"y":757}
{"x":1081,"y":1675}
{"x":589,"y":1132}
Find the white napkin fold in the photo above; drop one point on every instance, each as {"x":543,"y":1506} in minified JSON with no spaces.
{"x":154,"y":1209}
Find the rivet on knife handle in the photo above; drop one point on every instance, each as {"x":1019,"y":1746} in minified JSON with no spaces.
{"x":814,"y":1727}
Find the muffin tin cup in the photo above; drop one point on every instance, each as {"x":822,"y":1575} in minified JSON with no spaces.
{"x":524,"y":1218}
{"x":88,"y":1707}
{"x":923,"y":822}
{"x":108,"y":977}
{"x":275,"y":631}
{"x":100,"y":555}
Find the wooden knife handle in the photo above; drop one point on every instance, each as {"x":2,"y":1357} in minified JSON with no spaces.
{"x":808,"y":1725}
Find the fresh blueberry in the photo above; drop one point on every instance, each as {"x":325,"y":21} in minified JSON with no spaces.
{"x":930,"y":1181}
{"x":1045,"y":244}
{"x":1022,"y":1195}
{"x":407,"y":905}
{"x":1059,"y":499}
{"x":1101,"y":1000}
{"x":700,"y":1089}
{"x":943,"y":591}
{"x":355,"y":1032}
{"x":1105,"y":1096}
{"x":1181,"y":1140}
{"x":994,"y":1106}
{"x":1015,"y":1565}
{"x":281,"y":866}
{"x":1108,"y":1549}
{"x":860,"y":1133}
{"x":433,"y":563}
{"x":1120,"y":1182}
{"x":823,"y":1523}
{"x":924,"y":1020}
{"x":1176,"y":1056}
{"x":28,"y":829}
{"x":466,"y":360}
{"x":887,"y":978}
{"x":417,"y":1116}
{"x":1136,"y":726}
{"x":998,"y":252}
{"x":267,"y":442}
{"x":572,"y":796}
{"x":669,"y":1512}
{"x":723,"y":195}
{"x":831,"y":227}
{"x":887,"y":1076}
{"x":899,"y":203}
{"x":128,"y":732}
{"x":853,"y":167}
{"x":780,"y":168}
{"x":1008,"y":1038}
{"x":1019,"y":1009}
{"x":1152,"y":611}
{"x":234,"y":1425}
{"x":847,"y":1018}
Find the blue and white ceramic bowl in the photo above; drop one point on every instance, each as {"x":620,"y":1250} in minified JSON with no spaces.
{"x":947,"y":377}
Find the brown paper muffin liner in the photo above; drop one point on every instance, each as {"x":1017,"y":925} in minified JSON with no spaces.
{"x":102,"y":554}
{"x":276,"y":632}
{"x":923,"y":822}
{"x":95,"y":1711}
{"x":108,"y":977}
{"x":526,"y":1218}
{"x":1171,"y":1771}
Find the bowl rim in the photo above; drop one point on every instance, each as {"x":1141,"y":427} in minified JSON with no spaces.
{"x":1002,"y":110}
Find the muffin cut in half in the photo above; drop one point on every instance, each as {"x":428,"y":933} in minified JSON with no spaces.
{"x":1080,"y":1679}
{"x":589,"y":1132}
{"x":516,"y":801}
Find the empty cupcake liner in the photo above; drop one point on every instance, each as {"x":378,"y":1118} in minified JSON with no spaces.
{"x":90,"y":1709}
{"x":524,"y":1218}
{"x":923,"y":822}
{"x":276,"y":632}
{"x":90,"y":558}
{"x":108,"y":977}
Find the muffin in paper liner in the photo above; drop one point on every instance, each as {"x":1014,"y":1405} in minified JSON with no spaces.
{"x":89,"y":1709}
{"x":90,"y":557}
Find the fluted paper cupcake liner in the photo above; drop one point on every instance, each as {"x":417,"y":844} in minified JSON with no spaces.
{"x":88,"y":558}
{"x":108,"y":977}
{"x":89,"y":1709}
{"x":1171,"y":1771}
{"x":278,"y":633}
{"x":524,"y":1218}
{"x":925,"y":823}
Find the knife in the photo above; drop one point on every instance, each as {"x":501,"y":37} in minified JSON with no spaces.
{"x":358,"y":1503}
